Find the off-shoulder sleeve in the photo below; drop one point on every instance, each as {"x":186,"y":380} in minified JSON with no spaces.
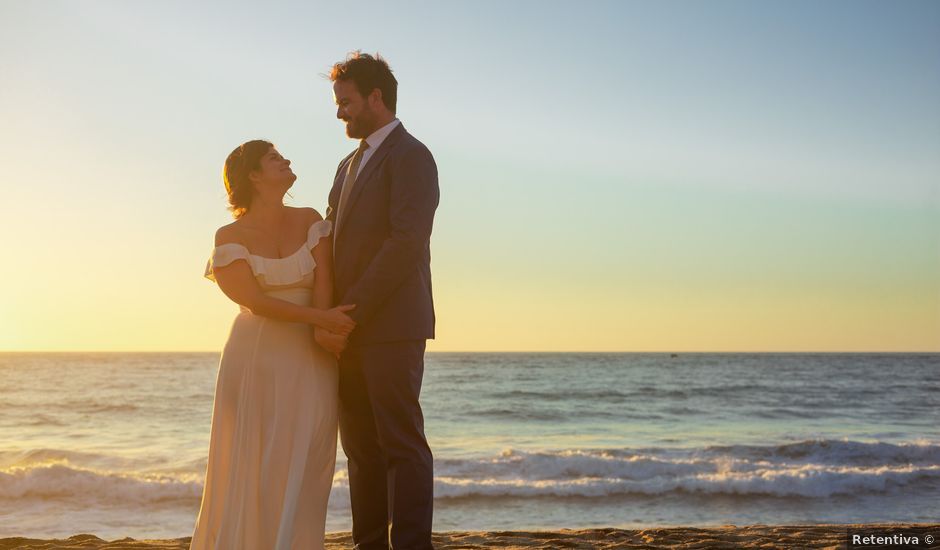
{"x":317,"y":231}
{"x":223,"y":255}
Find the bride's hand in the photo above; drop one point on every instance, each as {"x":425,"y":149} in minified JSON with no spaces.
{"x":335,"y":320}
{"x":333,"y":343}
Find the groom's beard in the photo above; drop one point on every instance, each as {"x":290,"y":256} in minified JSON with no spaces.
{"x":359,"y":127}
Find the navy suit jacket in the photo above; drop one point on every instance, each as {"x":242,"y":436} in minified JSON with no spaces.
{"x":382,"y":252}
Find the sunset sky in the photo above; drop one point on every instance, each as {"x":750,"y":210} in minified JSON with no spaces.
{"x":615,"y":176}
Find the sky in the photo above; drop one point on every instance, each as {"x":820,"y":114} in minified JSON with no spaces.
{"x":615,"y":176}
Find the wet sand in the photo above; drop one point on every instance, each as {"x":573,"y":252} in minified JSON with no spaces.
{"x":728,"y":536}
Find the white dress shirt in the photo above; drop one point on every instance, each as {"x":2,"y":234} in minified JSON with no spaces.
{"x":374,"y":140}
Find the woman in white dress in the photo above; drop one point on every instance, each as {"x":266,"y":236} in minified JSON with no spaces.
{"x":272,"y":447}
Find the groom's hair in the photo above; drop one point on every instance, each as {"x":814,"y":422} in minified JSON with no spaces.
{"x":368,"y":73}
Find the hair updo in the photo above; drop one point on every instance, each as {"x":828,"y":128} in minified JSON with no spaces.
{"x":240,"y":162}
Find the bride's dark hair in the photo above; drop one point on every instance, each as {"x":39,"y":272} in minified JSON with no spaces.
{"x":240,"y":162}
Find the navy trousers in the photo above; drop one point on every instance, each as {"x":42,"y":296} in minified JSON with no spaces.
{"x":391,"y":474}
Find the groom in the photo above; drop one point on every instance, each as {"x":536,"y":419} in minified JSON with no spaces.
{"x":382,"y":208}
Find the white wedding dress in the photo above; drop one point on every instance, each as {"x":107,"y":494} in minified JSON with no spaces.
{"x":272,"y":447}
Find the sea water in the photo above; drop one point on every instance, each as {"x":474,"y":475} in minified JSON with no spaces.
{"x":115,"y":444}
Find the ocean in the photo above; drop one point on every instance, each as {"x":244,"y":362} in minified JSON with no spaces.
{"x":115,"y":444}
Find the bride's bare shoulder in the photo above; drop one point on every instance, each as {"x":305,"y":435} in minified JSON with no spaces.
{"x":227,"y":234}
{"x":307,"y":214}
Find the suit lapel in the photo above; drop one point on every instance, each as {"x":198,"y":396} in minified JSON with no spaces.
{"x":366,"y":171}
{"x":333,"y":199}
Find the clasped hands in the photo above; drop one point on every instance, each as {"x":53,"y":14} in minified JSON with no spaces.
{"x":334,"y":335}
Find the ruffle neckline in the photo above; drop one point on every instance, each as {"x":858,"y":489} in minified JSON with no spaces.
{"x":276,"y":271}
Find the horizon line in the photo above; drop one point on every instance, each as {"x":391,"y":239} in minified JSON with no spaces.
{"x":509,"y":351}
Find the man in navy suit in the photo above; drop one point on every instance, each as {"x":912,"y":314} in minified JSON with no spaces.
{"x":382,"y":207}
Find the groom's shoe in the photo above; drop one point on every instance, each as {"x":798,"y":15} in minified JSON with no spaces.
{"x":376,"y":540}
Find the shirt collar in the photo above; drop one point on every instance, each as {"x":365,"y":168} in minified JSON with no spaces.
{"x":377,"y":137}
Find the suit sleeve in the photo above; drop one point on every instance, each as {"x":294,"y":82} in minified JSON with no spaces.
{"x":413,"y":198}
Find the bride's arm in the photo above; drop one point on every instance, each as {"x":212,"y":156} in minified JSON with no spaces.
{"x":323,"y":272}
{"x":238,"y":283}
{"x":323,"y":293}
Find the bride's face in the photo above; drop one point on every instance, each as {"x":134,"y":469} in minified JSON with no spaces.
{"x":273,"y":173}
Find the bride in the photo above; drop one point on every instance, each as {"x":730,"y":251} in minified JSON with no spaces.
{"x":272,"y":447}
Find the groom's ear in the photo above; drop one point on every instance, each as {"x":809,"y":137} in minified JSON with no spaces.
{"x":375,"y":98}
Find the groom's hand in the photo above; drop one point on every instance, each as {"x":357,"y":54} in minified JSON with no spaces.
{"x":330,"y":341}
{"x":322,"y":337}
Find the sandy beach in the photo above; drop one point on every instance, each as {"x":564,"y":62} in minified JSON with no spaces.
{"x":728,"y":536}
